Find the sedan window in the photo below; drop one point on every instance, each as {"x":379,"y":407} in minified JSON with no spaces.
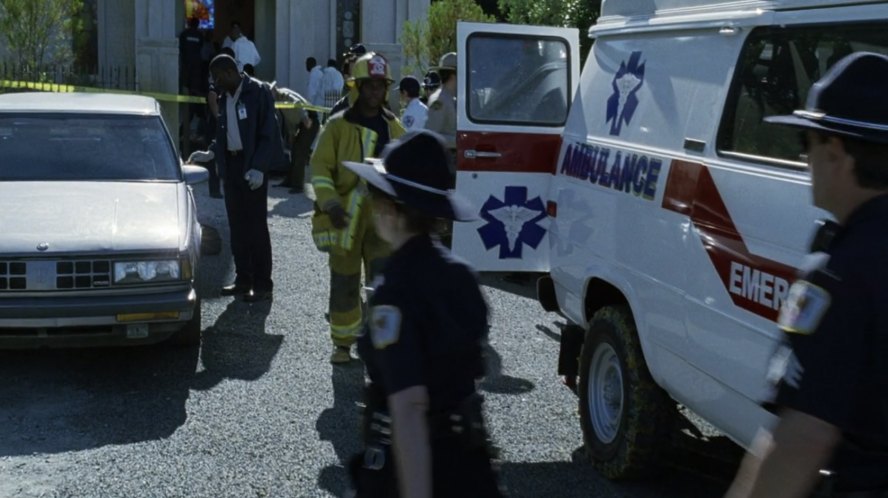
{"x":39,"y":147}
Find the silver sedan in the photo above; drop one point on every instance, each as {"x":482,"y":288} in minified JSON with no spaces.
{"x":99,"y":238}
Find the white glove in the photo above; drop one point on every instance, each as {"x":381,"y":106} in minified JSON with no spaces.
{"x":201,"y":156}
{"x":254,"y":178}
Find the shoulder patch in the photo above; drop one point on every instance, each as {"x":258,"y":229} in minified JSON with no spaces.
{"x":803,"y":308}
{"x":408,"y":121}
{"x":385,"y":325}
{"x":436,"y":105}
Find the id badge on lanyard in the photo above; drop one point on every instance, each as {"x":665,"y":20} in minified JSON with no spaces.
{"x":241,"y":111}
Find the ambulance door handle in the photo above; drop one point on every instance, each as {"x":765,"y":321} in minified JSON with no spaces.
{"x":474,"y":154}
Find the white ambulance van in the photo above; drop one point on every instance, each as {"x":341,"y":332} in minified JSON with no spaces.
{"x":667,"y":217}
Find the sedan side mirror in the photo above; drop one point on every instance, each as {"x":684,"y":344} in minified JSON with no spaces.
{"x":195,"y":174}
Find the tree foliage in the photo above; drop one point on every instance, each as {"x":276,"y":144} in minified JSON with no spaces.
{"x":565,"y":13}
{"x":39,"y":31}
{"x":424,"y":42}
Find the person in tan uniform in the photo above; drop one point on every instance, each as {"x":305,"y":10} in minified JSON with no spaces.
{"x":442,"y":104}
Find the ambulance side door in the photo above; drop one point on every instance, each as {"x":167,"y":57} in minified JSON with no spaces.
{"x":515,"y":88}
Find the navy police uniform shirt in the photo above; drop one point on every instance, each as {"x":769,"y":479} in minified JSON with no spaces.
{"x":835,"y":321}
{"x":426,"y":326}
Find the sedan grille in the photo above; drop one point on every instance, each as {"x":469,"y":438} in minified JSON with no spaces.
{"x":50,"y":275}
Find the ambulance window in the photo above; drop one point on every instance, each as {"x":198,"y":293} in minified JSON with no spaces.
{"x":517,"y":79}
{"x":776,"y":70}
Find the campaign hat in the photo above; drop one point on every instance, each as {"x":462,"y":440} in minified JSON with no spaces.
{"x":447,"y":62}
{"x":414,"y":170}
{"x":850,"y":100}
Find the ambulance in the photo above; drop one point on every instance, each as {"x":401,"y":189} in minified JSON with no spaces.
{"x":666,"y":217}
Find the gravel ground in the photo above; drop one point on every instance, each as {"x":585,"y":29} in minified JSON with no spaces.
{"x":258,"y":410}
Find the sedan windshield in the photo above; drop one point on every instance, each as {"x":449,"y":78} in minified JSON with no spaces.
{"x":65,"y":147}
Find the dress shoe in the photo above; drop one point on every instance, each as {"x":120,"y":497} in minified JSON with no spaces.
{"x":258,"y":296}
{"x":341,"y":354}
{"x":284,"y":185}
{"x":234,"y":290}
{"x":295,"y":190}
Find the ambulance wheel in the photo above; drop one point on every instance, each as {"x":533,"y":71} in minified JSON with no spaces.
{"x":623,"y":413}
{"x":189,"y":335}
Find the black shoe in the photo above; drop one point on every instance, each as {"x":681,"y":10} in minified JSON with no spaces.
{"x":235,"y":290}
{"x":284,"y":184}
{"x":258,"y":296}
{"x":295,"y":190}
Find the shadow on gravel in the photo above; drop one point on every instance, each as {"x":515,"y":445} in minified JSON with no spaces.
{"x":341,"y":424}
{"x":291,"y":205}
{"x":236,"y":346}
{"x":686,"y":476}
{"x":496,"y":381}
{"x":521,"y":284}
{"x":54,"y":401}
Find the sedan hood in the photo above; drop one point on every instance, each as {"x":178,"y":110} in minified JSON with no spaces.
{"x":88,"y":216}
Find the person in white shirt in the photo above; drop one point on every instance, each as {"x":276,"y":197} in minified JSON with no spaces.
{"x":332,"y":84}
{"x":315,"y":93}
{"x":415,"y":112}
{"x":245,"y":53}
{"x":233,"y":34}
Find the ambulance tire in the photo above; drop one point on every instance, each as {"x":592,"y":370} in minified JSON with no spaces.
{"x":189,"y":335}
{"x":624,"y":415}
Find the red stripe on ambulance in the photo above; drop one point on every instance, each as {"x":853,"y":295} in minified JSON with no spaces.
{"x":754,"y":283}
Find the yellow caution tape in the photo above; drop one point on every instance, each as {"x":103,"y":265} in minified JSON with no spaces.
{"x":61,"y":88}
{"x":164,"y":97}
{"x":307,"y":107}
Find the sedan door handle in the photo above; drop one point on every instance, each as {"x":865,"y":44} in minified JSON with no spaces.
{"x":474,"y":154}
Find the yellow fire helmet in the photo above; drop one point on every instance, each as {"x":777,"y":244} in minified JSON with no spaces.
{"x":372,"y":66}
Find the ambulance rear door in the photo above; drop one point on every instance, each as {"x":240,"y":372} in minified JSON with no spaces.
{"x":515,"y":88}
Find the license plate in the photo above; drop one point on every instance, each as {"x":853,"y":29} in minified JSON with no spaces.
{"x":137,"y":331}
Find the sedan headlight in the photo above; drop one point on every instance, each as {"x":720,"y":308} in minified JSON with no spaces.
{"x":133,"y":272}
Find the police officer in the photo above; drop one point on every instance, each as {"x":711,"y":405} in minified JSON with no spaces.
{"x":442,"y":103}
{"x":423,"y":350}
{"x":190,"y":62}
{"x":341,"y":225}
{"x":831,"y":374}
{"x":415,"y":112}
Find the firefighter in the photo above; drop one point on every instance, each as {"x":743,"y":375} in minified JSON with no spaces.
{"x":341,"y":224}
{"x":354,"y":52}
{"x":424,"y":428}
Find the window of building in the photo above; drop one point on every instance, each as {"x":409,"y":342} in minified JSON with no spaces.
{"x":774,"y":75}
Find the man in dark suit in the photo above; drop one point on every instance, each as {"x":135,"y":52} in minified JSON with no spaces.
{"x":247,"y":141}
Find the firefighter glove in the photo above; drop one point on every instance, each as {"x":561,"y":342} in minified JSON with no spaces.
{"x":338,"y":216}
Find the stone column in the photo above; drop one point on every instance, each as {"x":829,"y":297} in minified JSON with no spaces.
{"x":157,"y":54}
{"x":303,"y":29}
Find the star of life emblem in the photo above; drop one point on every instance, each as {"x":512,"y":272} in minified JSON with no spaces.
{"x":512,"y":222}
{"x":622,"y":104}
